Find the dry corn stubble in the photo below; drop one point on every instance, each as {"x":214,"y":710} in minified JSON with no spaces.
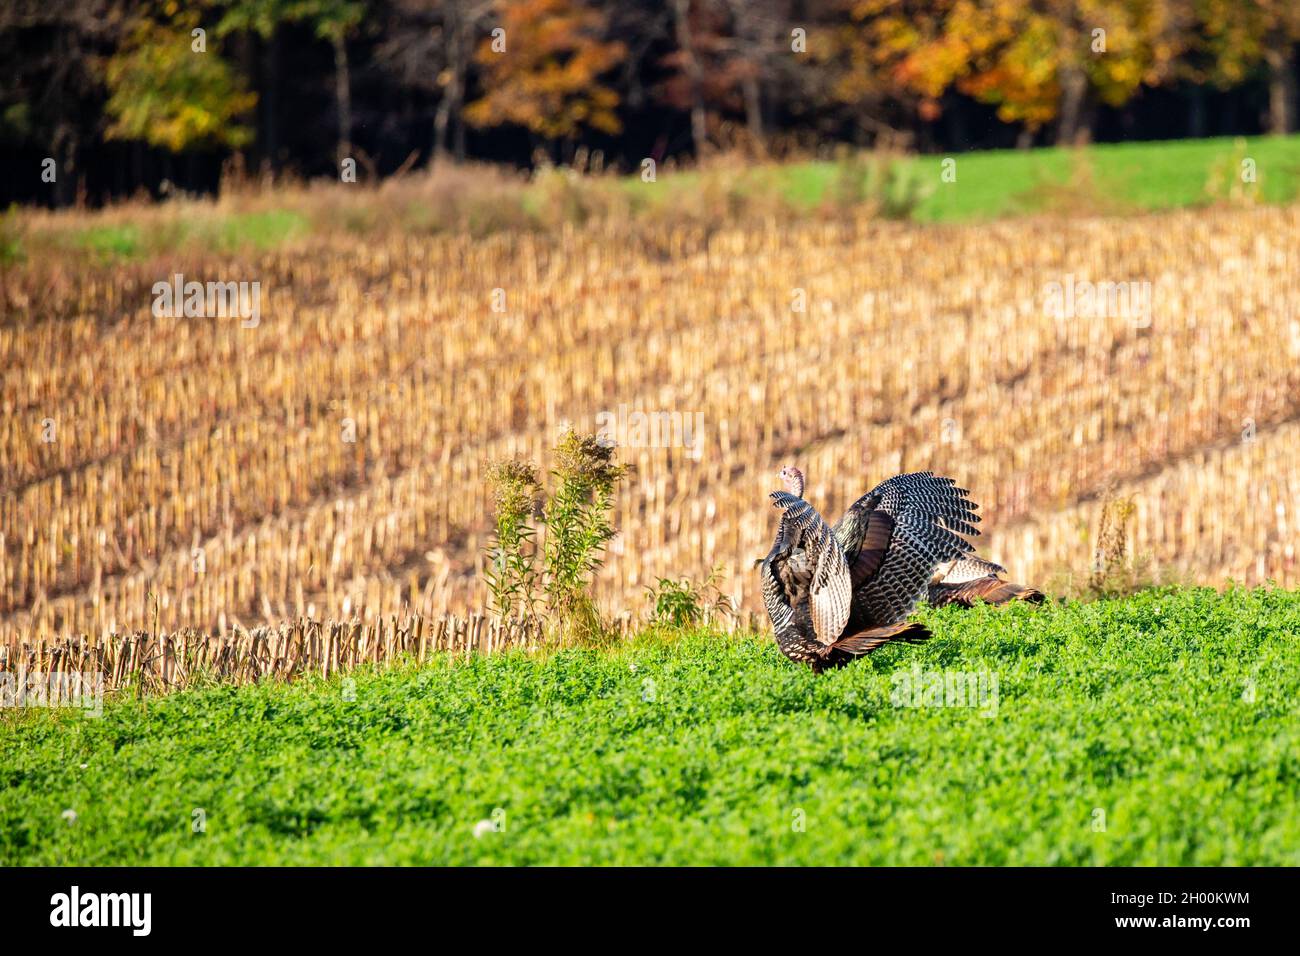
{"x":207,"y":463}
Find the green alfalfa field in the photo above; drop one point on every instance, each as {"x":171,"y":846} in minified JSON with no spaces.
{"x":1157,"y":729}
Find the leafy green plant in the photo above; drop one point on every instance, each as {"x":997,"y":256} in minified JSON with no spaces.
{"x":577,"y":528}
{"x":1081,"y":194}
{"x":1172,"y":711}
{"x":160,"y":92}
{"x":511,"y":575}
{"x":681,"y":604}
{"x":561,"y":195}
{"x":891,"y":188}
{"x":111,"y":242}
{"x":11,"y":244}
{"x":1227,"y":181}
{"x":1114,"y":572}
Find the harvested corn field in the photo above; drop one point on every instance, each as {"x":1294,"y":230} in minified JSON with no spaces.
{"x":324,"y":458}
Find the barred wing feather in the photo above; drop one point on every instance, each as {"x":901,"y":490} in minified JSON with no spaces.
{"x":969,"y":568}
{"x":924,"y":518}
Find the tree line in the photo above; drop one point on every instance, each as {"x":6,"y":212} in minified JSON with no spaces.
{"x":106,"y":97}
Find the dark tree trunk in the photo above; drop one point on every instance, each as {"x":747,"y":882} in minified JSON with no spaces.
{"x":694,"y":75}
{"x":1070,"y":124}
{"x":954,"y":123}
{"x":270,"y":112}
{"x":1196,"y":113}
{"x":453,"y":97}
{"x":1281,"y":87}
{"x":247,"y":46}
{"x":753,"y":108}
{"x":343,"y":95}
{"x":441,"y":122}
{"x":137,"y":165}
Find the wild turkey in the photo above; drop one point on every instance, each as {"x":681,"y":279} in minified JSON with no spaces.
{"x":970,"y":579}
{"x":834,"y":594}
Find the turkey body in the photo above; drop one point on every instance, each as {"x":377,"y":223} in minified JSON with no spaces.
{"x":834,"y":594}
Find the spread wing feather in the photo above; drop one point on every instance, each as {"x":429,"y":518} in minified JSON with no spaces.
{"x":896,"y":536}
{"x":990,"y":590}
{"x":969,"y":568}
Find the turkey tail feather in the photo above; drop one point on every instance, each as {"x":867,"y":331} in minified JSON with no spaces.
{"x":990,"y":590}
{"x":909,"y":632}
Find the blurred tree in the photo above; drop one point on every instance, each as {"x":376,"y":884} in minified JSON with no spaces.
{"x":878,"y":54}
{"x":686,"y":88}
{"x":643,"y":26}
{"x":430,"y":45}
{"x":658,"y":75}
{"x":1038,"y":61}
{"x":727,"y":52}
{"x":331,"y":20}
{"x":751,"y":27}
{"x":1240,"y":34}
{"x":462,"y":21}
{"x":544,"y":72}
{"x":51,"y":87}
{"x":335,"y":21}
{"x":168,"y":94}
{"x":759,"y":43}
